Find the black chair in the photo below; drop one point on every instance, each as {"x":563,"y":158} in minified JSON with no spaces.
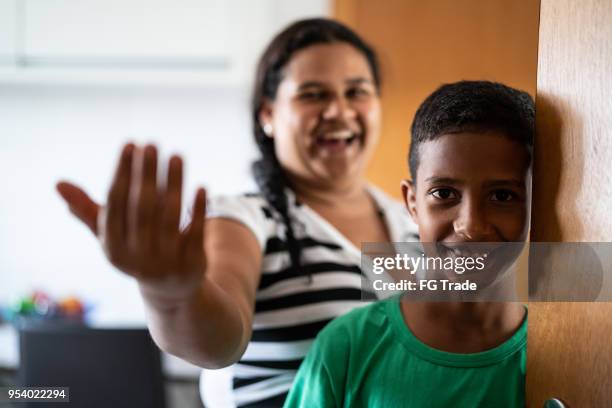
{"x":103,"y":367}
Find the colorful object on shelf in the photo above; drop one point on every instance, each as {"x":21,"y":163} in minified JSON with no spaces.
{"x":42,"y":302}
{"x":71,"y":306}
{"x":25,"y":307}
{"x":40,"y":306}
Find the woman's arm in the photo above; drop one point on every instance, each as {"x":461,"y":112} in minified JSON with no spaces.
{"x":213,"y":327}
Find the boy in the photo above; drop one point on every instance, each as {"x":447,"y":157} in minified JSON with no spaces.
{"x":470,"y":159}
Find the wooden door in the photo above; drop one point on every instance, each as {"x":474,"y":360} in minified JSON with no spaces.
{"x":425,"y":43}
{"x":570,"y":344}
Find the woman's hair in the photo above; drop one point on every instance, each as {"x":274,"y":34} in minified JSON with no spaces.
{"x":269,"y":175}
{"x":473,"y":106}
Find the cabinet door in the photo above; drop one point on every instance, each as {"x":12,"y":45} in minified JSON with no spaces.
{"x":8,"y":32}
{"x":120,"y":32}
{"x":570,"y":352}
{"x":195,"y":42}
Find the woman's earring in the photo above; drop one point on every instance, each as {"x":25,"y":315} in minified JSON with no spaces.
{"x":267,"y":128}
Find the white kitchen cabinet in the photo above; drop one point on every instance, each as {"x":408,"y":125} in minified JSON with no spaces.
{"x":124,"y":31}
{"x":194,"y":42}
{"x":8,"y":33}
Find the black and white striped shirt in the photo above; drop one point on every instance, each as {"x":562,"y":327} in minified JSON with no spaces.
{"x":291,"y":309}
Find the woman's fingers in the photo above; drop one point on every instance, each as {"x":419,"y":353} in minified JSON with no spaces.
{"x":194,"y":234}
{"x":116,"y":207}
{"x":140,"y":224}
{"x":80,"y":204}
{"x":170,"y":209}
{"x":143,"y":202}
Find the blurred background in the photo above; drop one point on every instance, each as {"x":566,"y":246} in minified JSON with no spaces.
{"x":78,"y":78}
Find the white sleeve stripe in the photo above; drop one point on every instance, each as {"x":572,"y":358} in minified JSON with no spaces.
{"x":277,"y":351}
{"x":329,"y":280}
{"x":264,"y":389}
{"x":304,"y":314}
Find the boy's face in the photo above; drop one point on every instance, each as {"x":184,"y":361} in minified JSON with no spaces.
{"x":470,"y":187}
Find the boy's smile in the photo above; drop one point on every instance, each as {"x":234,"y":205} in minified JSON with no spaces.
{"x":470,"y":187}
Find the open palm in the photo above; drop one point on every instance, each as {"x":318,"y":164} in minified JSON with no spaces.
{"x":139,"y":225}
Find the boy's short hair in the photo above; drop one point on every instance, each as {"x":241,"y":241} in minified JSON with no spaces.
{"x":473,"y":106}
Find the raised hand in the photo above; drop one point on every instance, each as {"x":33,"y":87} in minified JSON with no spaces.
{"x":139,"y":226}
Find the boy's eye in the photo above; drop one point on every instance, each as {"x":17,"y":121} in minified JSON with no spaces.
{"x":503,"y":195}
{"x":444,"y":194}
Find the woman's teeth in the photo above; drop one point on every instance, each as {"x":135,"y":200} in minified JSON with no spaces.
{"x":336,"y":141}
{"x":338,"y":135}
{"x":337,"y":138}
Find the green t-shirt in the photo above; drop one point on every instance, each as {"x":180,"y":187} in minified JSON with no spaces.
{"x":369,"y":358}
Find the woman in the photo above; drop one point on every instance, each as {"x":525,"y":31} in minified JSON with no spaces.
{"x":277,"y":265}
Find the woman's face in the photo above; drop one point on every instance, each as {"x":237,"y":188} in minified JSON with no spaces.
{"x":325,"y":118}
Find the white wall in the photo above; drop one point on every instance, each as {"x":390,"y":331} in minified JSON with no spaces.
{"x":48,"y":133}
{"x":57,"y":126}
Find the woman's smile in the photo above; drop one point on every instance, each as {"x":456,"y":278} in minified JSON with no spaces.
{"x":340,"y":142}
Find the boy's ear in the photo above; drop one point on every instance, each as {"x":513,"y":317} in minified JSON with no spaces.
{"x":265,"y":117}
{"x":409,"y":195}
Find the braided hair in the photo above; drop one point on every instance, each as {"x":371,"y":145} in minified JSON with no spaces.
{"x":267,"y":171}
